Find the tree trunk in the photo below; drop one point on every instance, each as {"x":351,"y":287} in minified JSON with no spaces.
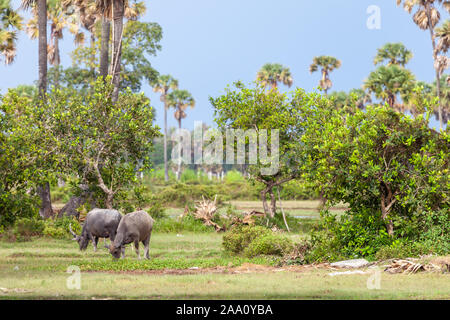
{"x":118,"y":12}
{"x":273,"y":203}
{"x":264,"y":202}
{"x":166,"y":167}
{"x":438,"y":80}
{"x":92,"y":62}
{"x":387,"y":201}
{"x":43,"y":190}
{"x":104,"y":50}
{"x":109,"y":201}
{"x":57,"y":60}
{"x":179,"y":145}
{"x":46,"y":210}
{"x":42,"y":25}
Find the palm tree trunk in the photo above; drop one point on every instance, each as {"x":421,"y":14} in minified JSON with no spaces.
{"x":92,"y":62}
{"x":179,"y":153}
{"x":118,"y":12}
{"x":57,"y":60}
{"x":104,"y":50}
{"x":438,"y":80}
{"x":166,"y":167}
{"x":43,"y":190}
{"x":42,"y":25}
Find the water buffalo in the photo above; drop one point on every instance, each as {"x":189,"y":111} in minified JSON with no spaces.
{"x":99,"y":223}
{"x":134,"y":227}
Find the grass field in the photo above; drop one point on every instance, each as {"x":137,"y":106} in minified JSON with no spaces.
{"x":188,"y":266}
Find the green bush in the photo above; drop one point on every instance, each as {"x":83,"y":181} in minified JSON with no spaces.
{"x":269,"y":244}
{"x":253,"y":241}
{"x":15,"y":205}
{"x":240,"y":237}
{"x":353,"y":235}
{"x":54,"y":232}
{"x":25,"y":228}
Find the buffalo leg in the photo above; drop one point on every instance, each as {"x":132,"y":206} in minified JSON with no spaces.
{"x":94,"y":243}
{"x":146,"y":243}
{"x":122,"y":250}
{"x":106,"y":246}
{"x":136,"y":248}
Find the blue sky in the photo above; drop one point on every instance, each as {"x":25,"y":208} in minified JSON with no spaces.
{"x":208,"y":44}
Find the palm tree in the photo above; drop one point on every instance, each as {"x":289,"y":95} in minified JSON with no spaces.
{"x":10,"y":23}
{"x":41,"y":6}
{"x":394,"y":53}
{"x":443,"y":35}
{"x":59,"y":19}
{"x":327,"y":65}
{"x":388,"y":81}
{"x":180,"y":100}
{"x":116,"y":10}
{"x":162,"y":85}
{"x":273,"y":73}
{"x":43,"y":191}
{"x":426,"y":18}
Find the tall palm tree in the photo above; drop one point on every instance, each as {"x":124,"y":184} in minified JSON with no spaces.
{"x":427,"y":17}
{"x":180,"y":100}
{"x":59,"y":19}
{"x":273,"y":73}
{"x":388,"y":81}
{"x":393,"y":53}
{"x":43,"y":191}
{"x":162,"y":85}
{"x":327,"y":65}
{"x":116,"y":10}
{"x":41,"y":10}
{"x":10,"y":24}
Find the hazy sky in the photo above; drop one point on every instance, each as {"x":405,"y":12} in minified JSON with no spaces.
{"x":208,"y":44}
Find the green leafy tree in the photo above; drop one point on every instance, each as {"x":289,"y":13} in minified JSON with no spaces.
{"x":273,"y":73}
{"x":392,"y":171}
{"x":105,"y":142}
{"x":359,"y":97}
{"x":260,"y":109}
{"x":327,"y":65}
{"x":27,"y":157}
{"x":140,"y":42}
{"x":394,"y":54}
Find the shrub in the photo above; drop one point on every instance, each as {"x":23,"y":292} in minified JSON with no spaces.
{"x":269,"y":244}
{"x":156,"y":210}
{"x":54,"y":232}
{"x":253,"y":241}
{"x":239,"y":238}
{"x":379,"y":161}
{"x":25,"y":228}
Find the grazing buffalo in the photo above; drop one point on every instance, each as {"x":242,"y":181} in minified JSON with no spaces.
{"x":99,"y":223}
{"x":134,"y":227}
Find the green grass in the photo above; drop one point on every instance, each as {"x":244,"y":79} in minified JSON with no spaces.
{"x":37,"y":270}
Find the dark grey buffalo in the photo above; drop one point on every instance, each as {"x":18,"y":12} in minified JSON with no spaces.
{"x":99,"y":223}
{"x":134,"y":227}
